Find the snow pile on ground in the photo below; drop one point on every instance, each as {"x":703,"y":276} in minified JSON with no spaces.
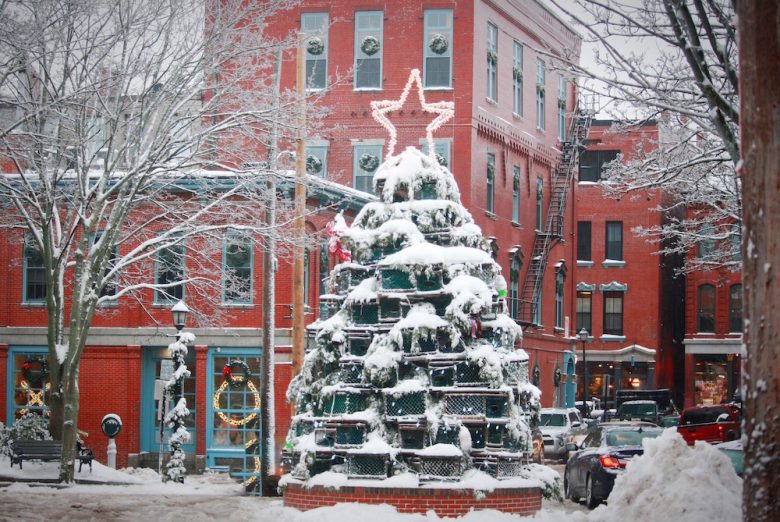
{"x":673,"y":481}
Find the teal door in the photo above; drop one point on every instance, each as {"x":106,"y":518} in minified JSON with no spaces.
{"x":156,"y":364}
{"x":233,"y":416}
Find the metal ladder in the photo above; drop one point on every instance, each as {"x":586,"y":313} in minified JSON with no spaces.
{"x":553,"y":229}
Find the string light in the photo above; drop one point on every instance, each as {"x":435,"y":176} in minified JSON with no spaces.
{"x":33,"y":398}
{"x":225,"y":418}
{"x":443,"y":109}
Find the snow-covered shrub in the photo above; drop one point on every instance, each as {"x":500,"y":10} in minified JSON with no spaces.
{"x":31,"y":426}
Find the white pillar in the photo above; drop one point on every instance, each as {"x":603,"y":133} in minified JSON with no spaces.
{"x":111,"y":452}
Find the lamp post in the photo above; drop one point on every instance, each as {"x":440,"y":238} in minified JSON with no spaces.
{"x":583,"y":336}
{"x":179,"y":311}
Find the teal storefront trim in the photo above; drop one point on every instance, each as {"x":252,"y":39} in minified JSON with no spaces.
{"x":233,"y":433}
{"x":570,"y":387}
{"x":153,"y":359}
{"x":12,"y":371}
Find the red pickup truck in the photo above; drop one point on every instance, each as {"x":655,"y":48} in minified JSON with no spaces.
{"x":718,"y":423}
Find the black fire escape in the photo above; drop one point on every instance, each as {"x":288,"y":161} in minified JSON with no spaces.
{"x":530,"y":297}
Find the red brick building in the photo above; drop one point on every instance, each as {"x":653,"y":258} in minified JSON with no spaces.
{"x":628,"y":297}
{"x":713,"y":335}
{"x":512,"y":127}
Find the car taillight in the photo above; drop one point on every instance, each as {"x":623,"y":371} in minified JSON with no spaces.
{"x":608,"y":461}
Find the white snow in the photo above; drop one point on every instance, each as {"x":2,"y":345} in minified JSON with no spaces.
{"x":670,"y":482}
{"x":430,"y":254}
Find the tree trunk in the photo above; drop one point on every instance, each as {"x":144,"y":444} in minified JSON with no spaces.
{"x":759,"y":38}
{"x":70,"y":384}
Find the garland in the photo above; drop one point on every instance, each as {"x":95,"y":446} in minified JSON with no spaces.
{"x":516,"y":182}
{"x":441,"y":159}
{"x":492,"y":57}
{"x":369,"y":162}
{"x":236,"y":381}
{"x":370,"y":45}
{"x":438,"y":44}
{"x":517,"y":74}
{"x":315,"y":46}
{"x":313,"y":164}
{"x":36,"y":379}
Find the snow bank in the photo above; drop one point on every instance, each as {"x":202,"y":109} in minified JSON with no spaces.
{"x":673,"y":481}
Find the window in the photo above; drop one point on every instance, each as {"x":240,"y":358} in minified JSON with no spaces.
{"x":583,"y":241}
{"x":30,"y":383}
{"x":736,"y":244}
{"x":514,"y":285}
{"x":735,"y":308}
{"x":516,"y":194}
{"x":706,"y":312}
{"x":437,"y":48}
{"x":365,"y":162}
{"x":492,"y":62}
{"x":537,"y":308}
{"x":34,"y":272}
{"x":314,"y":27}
{"x":442,"y":150}
{"x":614,"y":241}
{"x":317,"y":160}
{"x":324,"y":266}
{"x":306,"y":279}
{"x":540,"y":80}
{"x":491,"y":174}
{"x":517,"y":79}
{"x":706,"y":241}
{"x":169,"y":270}
{"x":237,"y":269}
{"x":585,"y":311}
{"x":559,"y":280}
{"x":369,"y":46}
{"x":561,"y":108}
{"x":613,"y":313}
{"x":539,"y":197}
{"x":110,"y":286}
{"x":592,"y":163}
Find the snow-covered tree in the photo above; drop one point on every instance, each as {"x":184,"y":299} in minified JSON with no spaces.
{"x":133,"y":134}
{"x":674,"y":61}
{"x":415,"y":367}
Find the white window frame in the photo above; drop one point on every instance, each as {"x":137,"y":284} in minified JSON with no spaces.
{"x":311,"y":28}
{"x":358,"y":149}
{"x":517,"y":83}
{"x":492,"y":66}
{"x":247,"y":243}
{"x":540,"y":94}
{"x":428,"y":32}
{"x":360,"y":34}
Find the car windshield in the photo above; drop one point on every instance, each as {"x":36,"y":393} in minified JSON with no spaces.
{"x":637,"y":409}
{"x":704,"y":415}
{"x":630,"y":438}
{"x":552,"y":419}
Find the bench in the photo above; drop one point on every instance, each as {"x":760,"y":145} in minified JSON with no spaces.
{"x":45,"y":450}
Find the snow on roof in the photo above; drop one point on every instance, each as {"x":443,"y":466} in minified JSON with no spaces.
{"x":430,"y":254}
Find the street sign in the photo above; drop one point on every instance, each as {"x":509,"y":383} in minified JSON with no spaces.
{"x":111,"y":425}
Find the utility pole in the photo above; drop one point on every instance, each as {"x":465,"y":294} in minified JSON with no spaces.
{"x":300,"y":208}
{"x":267,"y":419}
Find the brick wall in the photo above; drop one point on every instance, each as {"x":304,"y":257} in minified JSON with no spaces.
{"x":445,"y":502}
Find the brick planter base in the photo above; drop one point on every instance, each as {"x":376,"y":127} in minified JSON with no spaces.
{"x":445,"y":502}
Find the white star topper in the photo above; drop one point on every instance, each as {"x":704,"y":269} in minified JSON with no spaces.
{"x":444,"y":110}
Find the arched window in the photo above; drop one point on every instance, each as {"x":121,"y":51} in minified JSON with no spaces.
{"x":735,"y":308}
{"x":560,"y":277}
{"x":706,"y":310}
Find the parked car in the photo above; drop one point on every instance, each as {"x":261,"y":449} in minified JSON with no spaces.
{"x":560,"y":426}
{"x":592,"y":467}
{"x":669,"y":421}
{"x":718,"y":423}
{"x":733,"y":450}
{"x":646,"y":410}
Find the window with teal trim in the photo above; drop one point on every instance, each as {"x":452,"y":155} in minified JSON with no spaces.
{"x":34,"y":272}
{"x":369,"y":46}
{"x":561,"y":108}
{"x":539,"y":202}
{"x":30,"y":383}
{"x":517,"y":79}
{"x":492,"y":62}
{"x":491,"y":175}
{"x":559,"y":280}
{"x":442,"y":150}
{"x":169,"y":274}
{"x":437,"y":48}
{"x":514,"y":286}
{"x":110,"y":286}
{"x":540,"y":94}
{"x":317,"y":160}
{"x":516,"y":173}
{"x":314,"y":27}
{"x":237,"y":269}
{"x":366,"y":159}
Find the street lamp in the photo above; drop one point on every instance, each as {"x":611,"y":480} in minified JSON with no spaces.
{"x":583,"y":336}
{"x":180,"y":313}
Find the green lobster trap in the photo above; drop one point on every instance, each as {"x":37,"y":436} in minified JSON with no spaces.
{"x":392,"y":309}
{"x":358,"y":343}
{"x":440,"y":468}
{"x":427,"y":190}
{"x":343,"y":402}
{"x":351,"y":372}
{"x":365,"y":314}
{"x":395,"y":279}
{"x":350,"y":435}
{"x":406,"y":404}
{"x":411,"y":436}
{"x":367,"y":466}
